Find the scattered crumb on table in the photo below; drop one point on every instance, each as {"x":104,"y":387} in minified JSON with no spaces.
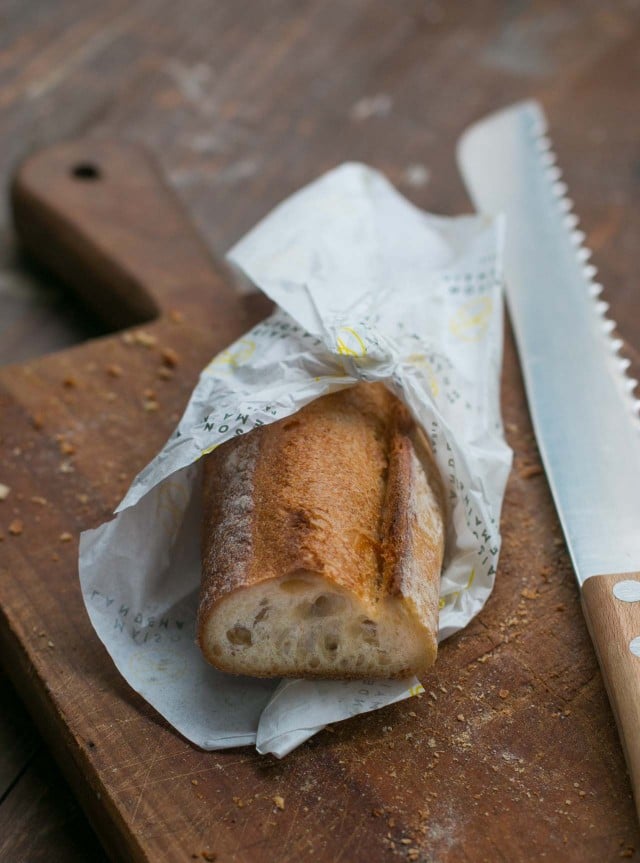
{"x":170,"y":357}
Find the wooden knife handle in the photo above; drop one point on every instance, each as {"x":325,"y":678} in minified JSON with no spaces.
{"x":612,"y":609}
{"x":97,"y":214}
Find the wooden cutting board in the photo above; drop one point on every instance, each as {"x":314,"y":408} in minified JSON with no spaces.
{"x":511,"y":753}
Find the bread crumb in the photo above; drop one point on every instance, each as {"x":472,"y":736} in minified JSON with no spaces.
{"x":5,"y":491}
{"x":37,"y":421}
{"x":164,"y":373}
{"x":209,"y":856}
{"x":114,"y":370}
{"x":413,"y":854}
{"x":66,"y":467}
{"x":69,"y":382}
{"x":65,"y":537}
{"x":194,"y":781}
{"x":66,"y":448}
{"x":504,"y":693}
{"x":170,"y":357}
{"x":460,"y":717}
{"x":150,"y":405}
{"x":279,"y":801}
{"x":238,"y":801}
{"x":529,"y":594}
{"x":50,"y":645}
{"x":41,"y":501}
{"x":406,"y":841}
{"x":530,"y":470}
{"x":144,"y":339}
{"x":16,"y":527}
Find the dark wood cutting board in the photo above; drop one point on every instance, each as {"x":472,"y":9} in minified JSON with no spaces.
{"x":511,"y":753}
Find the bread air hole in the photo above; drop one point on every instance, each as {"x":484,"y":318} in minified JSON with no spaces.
{"x":261,"y":615}
{"x":369,"y":631}
{"x":239,"y":635}
{"x":331,"y":643}
{"x":326,"y":604}
{"x":294,"y":585}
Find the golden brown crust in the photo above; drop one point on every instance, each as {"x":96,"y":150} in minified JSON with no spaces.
{"x":334,"y":490}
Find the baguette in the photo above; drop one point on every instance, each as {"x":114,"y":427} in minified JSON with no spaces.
{"x":322,"y":545}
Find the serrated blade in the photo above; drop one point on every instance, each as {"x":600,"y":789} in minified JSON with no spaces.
{"x":581,"y":402}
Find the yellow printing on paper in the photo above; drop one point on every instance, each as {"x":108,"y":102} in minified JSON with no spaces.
{"x":471,"y":321}
{"x":236,"y":355}
{"x":349,"y":343}
{"x":209,"y":449}
{"x":421,"y":362}
{"x":451,"y":597}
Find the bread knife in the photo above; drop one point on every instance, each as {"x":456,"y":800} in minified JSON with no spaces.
{"x":582,"y":403}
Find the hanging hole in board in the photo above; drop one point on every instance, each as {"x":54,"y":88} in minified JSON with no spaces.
{"x":86,"y":171}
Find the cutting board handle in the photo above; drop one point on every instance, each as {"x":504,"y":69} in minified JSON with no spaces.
{"x":97,"y":214}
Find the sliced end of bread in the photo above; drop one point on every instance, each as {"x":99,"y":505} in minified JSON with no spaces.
{"x":303,"y":624}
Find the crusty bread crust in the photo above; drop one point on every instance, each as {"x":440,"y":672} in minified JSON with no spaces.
{"x":322,"y":545}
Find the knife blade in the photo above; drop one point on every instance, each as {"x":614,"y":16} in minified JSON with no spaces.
{"x":582,"y":404}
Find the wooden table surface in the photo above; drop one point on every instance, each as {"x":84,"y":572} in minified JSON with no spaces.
{"x":242,"y":102}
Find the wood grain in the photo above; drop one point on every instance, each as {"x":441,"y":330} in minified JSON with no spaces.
{"x":41,"y":823}
{"x":240,"y":110}
{"x":613,"y":624}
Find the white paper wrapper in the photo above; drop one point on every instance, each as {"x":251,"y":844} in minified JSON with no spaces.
{"x":368,"y":288}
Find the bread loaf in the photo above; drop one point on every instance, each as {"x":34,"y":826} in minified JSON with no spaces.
{"x":322,"y":545}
